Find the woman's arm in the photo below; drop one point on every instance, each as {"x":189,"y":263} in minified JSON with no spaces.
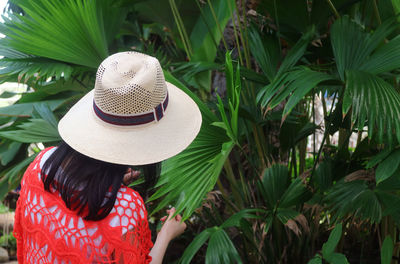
{"x":172,"y":228}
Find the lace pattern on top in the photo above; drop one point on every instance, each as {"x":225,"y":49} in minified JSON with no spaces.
{"x":48,"y":232}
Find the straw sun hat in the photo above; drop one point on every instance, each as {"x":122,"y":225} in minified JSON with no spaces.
{"x":132,"y":116}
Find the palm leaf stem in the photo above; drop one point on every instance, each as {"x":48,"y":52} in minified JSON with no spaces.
{"x":225,"y":196}
{"x":207,"y":25}
{"x":236,"y":34}
{"x":247,"y":51}
{"x":313,"y":115}
{"x":323,"y":139}
{"x":294,"y":161}
{"x":333,"y":8}
{"x":328,"y":141}
{"x":302,"y":155}
{"x":246,"y":187}
{"x":218,"y":24}
{"x":278,"y":32}
{"x":376,"y":12}
{"x":250,"y":161}
{"x":244,"y":45}
{"x":259,"y":146}
{"x":181,"y":29}
{"x":221,"y":188}
{"x":233,"y":183}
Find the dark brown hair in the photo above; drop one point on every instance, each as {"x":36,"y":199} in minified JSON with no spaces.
{"x":87,"y":185}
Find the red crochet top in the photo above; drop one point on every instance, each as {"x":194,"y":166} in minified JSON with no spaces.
{"x":48,"y":232}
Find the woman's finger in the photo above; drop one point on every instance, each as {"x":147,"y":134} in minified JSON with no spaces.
{"x":171,"y":212}
{"x":135,"y":174}
{"x":130,"y":176}
{"x":178,"y":217}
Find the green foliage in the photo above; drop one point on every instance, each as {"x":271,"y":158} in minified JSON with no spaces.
{"x":387,"y":250}
{"x":354,"y":198}
{"x":373,"y":100}
{"x":328,"y":249}
{"x":70,"y":31}
{"x":388,"y":166}
{"x":197,"y":175}
{"x":220,"y":248}
{"x":274,"y":81}
{"x":206,"y":32}
{"x":36,"y":68}
{"x":9,"y":241}
{"x":281,"y":195}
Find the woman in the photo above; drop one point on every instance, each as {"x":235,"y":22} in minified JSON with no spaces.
{"x":74,"y":206}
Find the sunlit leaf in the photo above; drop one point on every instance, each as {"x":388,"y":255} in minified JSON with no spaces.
{"x":33,"y":131}
{"x":69,"y":31}
{"x":9,"y":179}
{"x":35,"y":68}
{"x":8,"y":150}
{"x":26,"y":109}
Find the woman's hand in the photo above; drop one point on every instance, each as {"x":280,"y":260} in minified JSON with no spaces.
{"x":130,"y":176}
{"x":172,"y":226}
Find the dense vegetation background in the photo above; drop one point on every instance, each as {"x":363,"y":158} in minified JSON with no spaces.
{"x":256,"y":186}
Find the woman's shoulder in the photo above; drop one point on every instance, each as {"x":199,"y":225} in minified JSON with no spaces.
{"x":36,"y":165}
{"x":128,"y":211}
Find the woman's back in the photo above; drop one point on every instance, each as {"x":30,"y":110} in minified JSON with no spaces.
{"x":48,"y":232}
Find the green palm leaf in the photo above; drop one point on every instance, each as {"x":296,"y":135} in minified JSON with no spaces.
{"x":41,"y":128}
{"x":187,"y":177}
{"x":265,"y":51}
{"x":26,"y":109}
{"x":296,"y":83}
{"x":35,"y":68}
{"x":385,"y":58}
{"x":274,"y":184}
{"x":221,"y":249}
{"x":73,"y":31}
{"x":288,"y":79}
{"x":354,"y":199}
{"x":352,"y":46}
{"x":33,"y":131}
{"x":8,"y":150}
{"x":195,"y":245}
{"x":10,"y":178}
{"x":207,"y":33}
{"x":387,"y":250}
{"x":374,"y":101}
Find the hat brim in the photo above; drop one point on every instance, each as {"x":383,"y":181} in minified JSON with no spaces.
{"x":132,"y":145}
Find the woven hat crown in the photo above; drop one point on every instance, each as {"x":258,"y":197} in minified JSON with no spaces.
{"x":129,"y":83}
